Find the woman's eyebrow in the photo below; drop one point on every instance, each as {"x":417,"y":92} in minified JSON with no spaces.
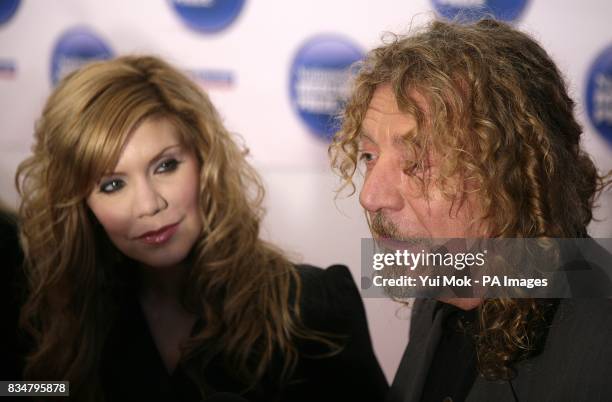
{"x":160,"y":153}
{"x":151,"y":162}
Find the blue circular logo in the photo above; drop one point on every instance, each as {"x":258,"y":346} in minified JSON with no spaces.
{"x":599,"y":93}
{"x":7,"y":9}
{"x":208,"y":16}
{"x":319,"y":81}
{"x":473,"y":10}
{"x":75,"y":48}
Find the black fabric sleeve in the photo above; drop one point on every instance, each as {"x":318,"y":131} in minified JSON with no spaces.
{"x":331,"y":303}
{"x":12,"y":290}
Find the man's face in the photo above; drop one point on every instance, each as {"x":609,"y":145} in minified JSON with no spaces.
{"x":391,"y":193}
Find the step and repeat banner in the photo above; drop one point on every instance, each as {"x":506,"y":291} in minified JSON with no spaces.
{"x":277,"y":71}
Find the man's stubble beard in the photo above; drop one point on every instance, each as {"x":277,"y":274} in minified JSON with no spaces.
{"x":389,"y":239}
{"x":383,"y":229}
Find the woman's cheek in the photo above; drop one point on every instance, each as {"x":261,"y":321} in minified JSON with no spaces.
{"x":114,"y":217}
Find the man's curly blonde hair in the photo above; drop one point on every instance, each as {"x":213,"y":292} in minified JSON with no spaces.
{"x":500,"y":117}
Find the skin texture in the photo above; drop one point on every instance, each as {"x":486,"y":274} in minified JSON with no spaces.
{"x":390,"y":193}
{"x":154,"y":184}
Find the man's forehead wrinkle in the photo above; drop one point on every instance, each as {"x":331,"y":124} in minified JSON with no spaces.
{"x":397,"y":138}
{"x":375,"y":117}
{"x":405,"y":138}
{"x":384,"y":102}
{"x":363,"y":136}
{"x":384,"y":109}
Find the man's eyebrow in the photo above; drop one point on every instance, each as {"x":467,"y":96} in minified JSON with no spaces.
{"x":402,"y":139}
{"x":363,"y":135}
{"x":151,"y":162}
{"x":397,"y":139}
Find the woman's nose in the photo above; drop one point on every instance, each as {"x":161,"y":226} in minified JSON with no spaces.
{"x":148,"y":200}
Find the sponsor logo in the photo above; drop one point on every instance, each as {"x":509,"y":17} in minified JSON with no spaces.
{"x":319,"y":81}
{"x":212,"y":78}
{"x":473,"y":10}
{"x":8,"y":9}
{"x":8,"y":69}
{"x":599,"y":93}
{"x":75,"y":48}
{"x":208,"y":16}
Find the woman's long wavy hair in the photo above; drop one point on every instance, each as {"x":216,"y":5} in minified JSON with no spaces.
{"x":499,"y":116}
{"x":245,"y":290}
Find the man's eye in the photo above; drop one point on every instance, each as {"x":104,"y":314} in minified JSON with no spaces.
{"x":415,"y":167}
{"x":168,"y":165}
{"x":366,"y":157}
{"x":111,"y":186}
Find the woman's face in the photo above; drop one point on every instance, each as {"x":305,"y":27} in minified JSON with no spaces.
{"x":148,"y":205}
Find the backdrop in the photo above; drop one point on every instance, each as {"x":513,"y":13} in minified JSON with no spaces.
{"x":277,"y":70}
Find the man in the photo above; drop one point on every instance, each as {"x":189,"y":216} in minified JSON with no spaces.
{"x":467,"y":131}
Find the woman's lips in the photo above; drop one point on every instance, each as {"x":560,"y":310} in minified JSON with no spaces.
{"x":160,"y":236}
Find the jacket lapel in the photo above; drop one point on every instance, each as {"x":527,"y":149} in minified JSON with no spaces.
{"x":425,"y":333}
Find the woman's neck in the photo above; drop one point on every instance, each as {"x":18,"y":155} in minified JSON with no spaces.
{"x":170,"y":324}
{"x":162,"y":283}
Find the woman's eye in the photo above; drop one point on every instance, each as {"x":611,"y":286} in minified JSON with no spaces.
{"x":168,"y":165}
{"x":111,"y":186}
{"x":366,"y":157}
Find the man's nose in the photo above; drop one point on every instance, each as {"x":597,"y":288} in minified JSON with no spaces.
{"x":381,"y":188}
{"x":148,"y":200}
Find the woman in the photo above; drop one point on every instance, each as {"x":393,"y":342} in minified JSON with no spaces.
{"x":147,"y":278}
